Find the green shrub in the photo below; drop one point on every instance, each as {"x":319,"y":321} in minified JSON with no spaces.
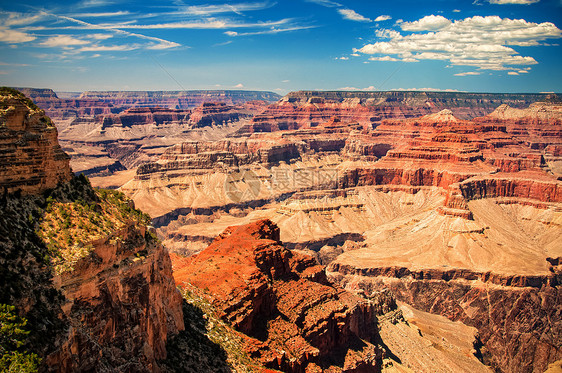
{"x":13,"y":338}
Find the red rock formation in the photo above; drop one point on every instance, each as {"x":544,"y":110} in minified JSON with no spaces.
{"x":30,"y":156}
{"x":122,"y":304}
{"x":294,"y":319}
{"x":309,"y":108}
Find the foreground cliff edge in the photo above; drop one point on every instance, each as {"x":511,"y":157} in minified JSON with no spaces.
{"x":80,"y":265}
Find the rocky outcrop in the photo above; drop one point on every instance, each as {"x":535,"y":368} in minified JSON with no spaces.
{"x":31,"y":159}
{"x":294,"y":319}
{"x":121,"y":303}
{"x":80,"y":264}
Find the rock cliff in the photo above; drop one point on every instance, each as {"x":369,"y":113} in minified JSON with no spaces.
{"x":31,"y":159}
{"x":294,"y":319}
{"x":80,"y":264}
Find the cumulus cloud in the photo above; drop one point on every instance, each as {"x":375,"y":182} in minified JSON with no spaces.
{"x":353,"y":15}
{"x":512,"y":73}
{"x":522,"y":2}
{"x":427,"y":23}
{"x":239,"y":85}
{"x":483,"y":42}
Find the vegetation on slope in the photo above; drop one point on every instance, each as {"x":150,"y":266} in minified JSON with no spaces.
{"x":13,"y":338}
{"x":69,"y":227}
{"x":46,"y":234}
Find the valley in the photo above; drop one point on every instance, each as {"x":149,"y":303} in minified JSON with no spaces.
{"x":323,"y":231}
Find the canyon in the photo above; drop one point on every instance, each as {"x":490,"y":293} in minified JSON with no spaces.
{"x":327,"y":231}
{"x":457,"y":215}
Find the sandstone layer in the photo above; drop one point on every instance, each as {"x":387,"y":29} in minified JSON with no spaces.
{"x":31,"y":159}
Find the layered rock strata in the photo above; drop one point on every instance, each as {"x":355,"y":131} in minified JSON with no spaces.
{"x":31,"y":159}
{"x":434,"y":201}
{"x":310,"y":108}
{"x":293,"y":318}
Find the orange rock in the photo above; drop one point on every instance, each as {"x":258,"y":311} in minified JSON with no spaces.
{"x":282,"y":301}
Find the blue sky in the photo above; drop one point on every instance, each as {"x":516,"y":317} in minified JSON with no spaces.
{"x":282,"y":46}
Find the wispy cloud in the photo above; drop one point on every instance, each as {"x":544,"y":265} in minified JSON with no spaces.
{"x":326,"y":3}
{"x":115,"y":29}
{"x":468,"y":73}
{"x":271,"y":31}
{"x":483,"y":42}
{"x":353,"y":15}
{"x":14,"y":36}
{"x":63,"y":41}
{"x":206,"y":10}
{"x":99,"y":15}
{"x":521,"y":2}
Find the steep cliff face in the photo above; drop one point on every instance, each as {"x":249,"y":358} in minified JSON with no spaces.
{"x":293,"y":318}
{"x":31,"y":159}
{"x":121,"y":304}
{"x":78,"y":263}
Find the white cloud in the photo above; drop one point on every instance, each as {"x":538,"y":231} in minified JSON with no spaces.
{"x":427,"y":89}
{"x":512,"y":73}
{"x":99,"y":36}
{"x":326,"y":3}
{"x":239,"y":85}
{"x":8,"y":19}
{"x":63,"y":41}
{"x":456,"y":10}
{"x":15,"y":36}
{"x":483,"y":42}
{"x":101,"y":14}
{"x":384,"y":58}
{"x":342,"y":58}
{"x":223,"y":8}
{"x":522,"y":2}
{"x":271,"y":31}
{"x":427,"y":23}
{"x":382,"y":18}
{"x":369,"y":88}
{"x":109,"y":48}
{"x":353,"y":15}
{"x":468,"y":73}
